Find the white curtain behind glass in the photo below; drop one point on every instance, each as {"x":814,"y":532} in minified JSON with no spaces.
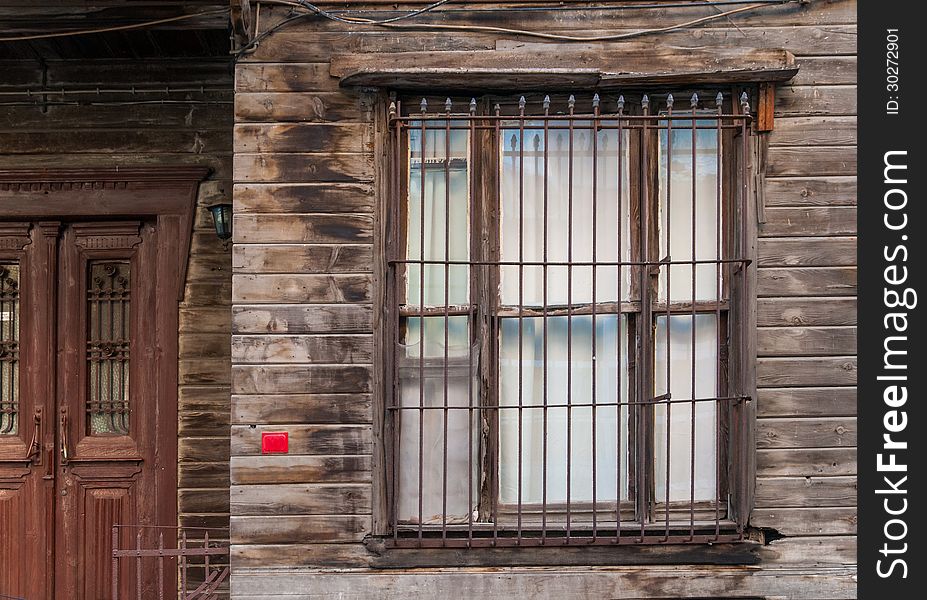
{"x":681,"y":204}
{"x":445,"y":179}
{"x":569,"y":228}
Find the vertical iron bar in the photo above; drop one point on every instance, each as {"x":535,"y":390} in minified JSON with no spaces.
{"x":741,"y":408}
{"x":694,"y":267}
{"x":719,"y":221}
{"x":206,"y":555}
{"x":667,"y":234}
{"x":111,"y":362}
{"x":183,"y":563}
{"x":115,"y":588}
{"x":138,"y":564}
{"x":618,"y":370}
{"x":470,"y":327}
{"x":160,"y":565}
{"x":595,"y":174}
{"x":544,"y":324}
{"x":499,"y":145}
{"x":421,"y":329}
{"x":447,"y":251}
{"x":399,"y":167}
{"x":571,"y":102}
{"x":521,"y":277}
{"x":645,"y":380}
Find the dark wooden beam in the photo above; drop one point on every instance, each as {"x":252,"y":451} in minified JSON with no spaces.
{"x":549,"y":67}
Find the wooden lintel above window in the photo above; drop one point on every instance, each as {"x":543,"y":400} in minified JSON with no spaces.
{"x":556,"y":66}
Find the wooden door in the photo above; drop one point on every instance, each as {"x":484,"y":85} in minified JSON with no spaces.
{"x":27,"y":461}
{"x":89,"y":293}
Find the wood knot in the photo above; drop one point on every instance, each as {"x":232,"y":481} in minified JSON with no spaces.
{"x":840,"y":430}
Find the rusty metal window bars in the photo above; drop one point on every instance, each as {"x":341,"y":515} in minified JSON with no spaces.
{"x":565,"y":291}
{"x":9,"y":348}
{"x":108,"y":306}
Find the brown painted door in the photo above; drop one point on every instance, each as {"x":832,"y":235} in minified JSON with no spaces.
{"x":92,"y":404}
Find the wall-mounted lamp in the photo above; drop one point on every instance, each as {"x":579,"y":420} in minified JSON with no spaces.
{"x":222,"y":219}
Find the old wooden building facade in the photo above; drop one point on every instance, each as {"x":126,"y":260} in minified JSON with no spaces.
{"x":528,"y":299}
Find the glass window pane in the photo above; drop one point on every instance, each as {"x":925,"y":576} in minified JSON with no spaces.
{"x":528,"y":180}
{"x":676,"y":419}
{"x":529,"y":379}
{"x":432,"y":382}
{"x":9,"y":348}
{"x":684,"y":199}
{"x":108,"y":347}
{"x":442,"y":232}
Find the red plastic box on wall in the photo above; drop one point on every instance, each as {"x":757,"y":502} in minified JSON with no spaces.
{"x":275,"y":442}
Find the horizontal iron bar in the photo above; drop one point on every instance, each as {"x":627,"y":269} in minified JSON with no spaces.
{"x":212,"y":551}
{"x":603,"y":538}
{"x":676,"y":116}
{"x":655,"y":402}
{"x":515,"y":263}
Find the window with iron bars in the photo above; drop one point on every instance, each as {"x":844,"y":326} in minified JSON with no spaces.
{"x":566,"y":297}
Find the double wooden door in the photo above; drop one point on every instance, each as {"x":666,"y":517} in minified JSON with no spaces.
{"x":83,"y":444}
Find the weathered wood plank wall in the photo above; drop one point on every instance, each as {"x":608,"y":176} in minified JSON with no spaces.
{"x":152,"y":133}
{"x":305,"y":170}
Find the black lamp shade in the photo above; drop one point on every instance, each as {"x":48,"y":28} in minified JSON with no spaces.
{"x":222,"y":219}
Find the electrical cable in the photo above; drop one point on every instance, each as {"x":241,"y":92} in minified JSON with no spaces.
{"x":394,"y":24}
{"x":43,"y":36}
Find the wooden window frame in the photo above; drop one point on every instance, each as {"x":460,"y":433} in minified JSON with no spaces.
{"x":484,"y":200}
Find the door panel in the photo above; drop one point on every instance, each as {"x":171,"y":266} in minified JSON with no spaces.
{"x":27,"y":296}
{"x":107,"y":393}
{"x":82,"y":438}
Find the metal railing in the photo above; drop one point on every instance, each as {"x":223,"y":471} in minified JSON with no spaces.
{"x":567,"y":392}
{"x":168,"y":562}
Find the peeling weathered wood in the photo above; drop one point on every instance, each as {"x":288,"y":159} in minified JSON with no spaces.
{"x":806,"y":341}
{"x":355,"y":349}
{"x":306,"y":439}
{"x":806,"y":252}
{"x":303,"y":137}
{"x":825,"y":432}
{"x":301,"y":258}
{"x":281,"y":529}
{"x":807,"y":521}
{"x":829,"y":281}
{"x":811,"y":161}
{"x":303,"y":77}
{"x":294,"y":228}
{"x":298,"y":168}
{"x":297,"y":318}
{"x":301,"y":408}
{"x":270,"y":379}
{"x":811,"y":221}
{"x":837,"y":100}
{"x":618,"y":583}
{"x":301,"y":107}
{"x":807,"y":402}
{"x":554,"y":66}
{"x":779,"y":312}
{"x":299,"y":469}
{"x":301,"y":499}
{"x":806,"y":372}
{"x":814,"y":131}
{"x":801,"y":492}
{"x":811,"y":191}
{"x":303,"y":198}
{"x":309,"y":289}
{"x":805,"y":462}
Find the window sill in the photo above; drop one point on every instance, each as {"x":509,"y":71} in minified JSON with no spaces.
{"x":738,"y":553}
